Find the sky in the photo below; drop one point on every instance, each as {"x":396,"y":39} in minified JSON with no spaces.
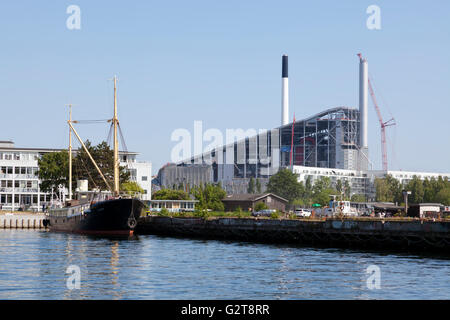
{"x":219,"y":62}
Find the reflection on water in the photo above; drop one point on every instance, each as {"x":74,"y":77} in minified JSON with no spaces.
{"x":33,"y":265}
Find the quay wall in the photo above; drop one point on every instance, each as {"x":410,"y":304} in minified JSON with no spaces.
{"x":22,"y":221}
{"x":370,"y":233}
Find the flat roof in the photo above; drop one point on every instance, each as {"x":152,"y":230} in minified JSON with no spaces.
{"x":51,"y":150}
{"x":172,"y":200}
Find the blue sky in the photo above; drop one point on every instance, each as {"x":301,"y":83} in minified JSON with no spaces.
{"x":220,"y":62}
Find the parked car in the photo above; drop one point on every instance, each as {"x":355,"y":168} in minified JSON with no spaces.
{"x":302,"y":213}
{"x":263,"y":213}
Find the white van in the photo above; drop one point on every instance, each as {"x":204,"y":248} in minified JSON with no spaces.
{"x":303,"y":213}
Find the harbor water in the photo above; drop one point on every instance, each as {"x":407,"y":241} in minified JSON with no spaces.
{"x":37,"y":264}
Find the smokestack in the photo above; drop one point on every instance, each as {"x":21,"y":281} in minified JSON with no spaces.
{"x":363,"y":96}
{"x":284,"y":91}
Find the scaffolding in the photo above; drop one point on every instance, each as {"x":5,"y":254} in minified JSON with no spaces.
{"x":329,"y":139}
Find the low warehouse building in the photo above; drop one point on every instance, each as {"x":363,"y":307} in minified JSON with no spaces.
{"x":425,"y":210}
{"x":247,"y":202}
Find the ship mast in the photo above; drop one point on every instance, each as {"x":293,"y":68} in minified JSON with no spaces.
{"x":70,"y":153}
{"x":116,"y":143}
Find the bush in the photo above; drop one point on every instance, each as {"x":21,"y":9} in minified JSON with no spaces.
{"x":400,"y":214}
{"x":201,"y":213}
{"x":261,"y":206}
{"x":292,"y":216}
{"x":164,"y":212}
{"x":275,"y":215}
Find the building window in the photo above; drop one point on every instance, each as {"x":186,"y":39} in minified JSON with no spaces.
{"x":144,"y":178}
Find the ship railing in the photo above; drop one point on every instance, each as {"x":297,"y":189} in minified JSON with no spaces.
{"x":129,"y":194}
{"x":67,"y":212}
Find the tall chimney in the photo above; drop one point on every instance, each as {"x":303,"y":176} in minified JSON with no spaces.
{"x":284,"y":91}
{"x":363,"y":96}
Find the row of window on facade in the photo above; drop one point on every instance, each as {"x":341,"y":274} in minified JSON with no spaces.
{"x":170,"y":204}
{"x":18,"y":156}
{"x":19,"y":170}
{"x":18,"y":183}
{"x":23,"y":198}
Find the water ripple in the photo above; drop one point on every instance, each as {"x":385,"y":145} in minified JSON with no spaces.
{"x":33,"y":266}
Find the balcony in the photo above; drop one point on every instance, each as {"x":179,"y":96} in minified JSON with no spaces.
{"x":26,"y":176}
{"x":26,"y":190}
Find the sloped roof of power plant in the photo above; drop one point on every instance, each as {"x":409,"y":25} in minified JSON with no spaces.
{"x":322,"y":114}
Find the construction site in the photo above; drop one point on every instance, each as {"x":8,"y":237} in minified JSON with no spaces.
{"x":332,"y":143}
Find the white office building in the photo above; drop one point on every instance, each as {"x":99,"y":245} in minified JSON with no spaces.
{"x":361,"y":182}
{"x":20,"y":185}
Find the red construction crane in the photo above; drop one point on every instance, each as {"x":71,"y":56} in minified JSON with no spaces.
{"x":383,"y":125}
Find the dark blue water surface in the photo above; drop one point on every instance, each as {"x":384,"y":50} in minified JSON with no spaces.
{"x":33,"y":265}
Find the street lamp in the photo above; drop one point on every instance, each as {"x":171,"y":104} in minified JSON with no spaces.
{"x":405,"y":196}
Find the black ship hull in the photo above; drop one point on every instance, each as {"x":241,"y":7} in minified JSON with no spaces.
{"x":109,"y":217}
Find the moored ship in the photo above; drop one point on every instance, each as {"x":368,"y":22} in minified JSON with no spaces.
{"x":107,"y":217}
{"x":97,"y":213}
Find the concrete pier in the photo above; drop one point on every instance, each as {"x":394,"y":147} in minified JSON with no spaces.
{"x":22,"y":221}
{"x":359,"y":233}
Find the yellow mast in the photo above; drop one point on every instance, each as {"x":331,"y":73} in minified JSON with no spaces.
{"x":70,"y":153}
{"x":116,"y":143}
{"x":89,"y":155}
{"x":116,"y":148}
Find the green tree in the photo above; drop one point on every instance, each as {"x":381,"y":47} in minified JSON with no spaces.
{"x":131,"y":188}
{"x":84,"y":169}
{"x":308,"y":191}
{"x":210,"y":197}
{"x":417,"y":190}
{"x":251,"y":186}
{"x":322,"y":191}
{"x":347,"y":190}
{"x":428,"y":191}
{"x":170,"y":194}
{"x":358,"y":198}
{"x":285,"y":184}
{"x":300,"y":202}
{"x":443,"y":196}
{"x":258,"y":186}
{"x":339,"y":186}
{"x":53,"y":170}
{"x":395,"y":189}
{"x":382,"y":190}
{"x":388,"y":189}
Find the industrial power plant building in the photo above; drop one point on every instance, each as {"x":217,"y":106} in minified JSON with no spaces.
{"x":331,"y":143}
